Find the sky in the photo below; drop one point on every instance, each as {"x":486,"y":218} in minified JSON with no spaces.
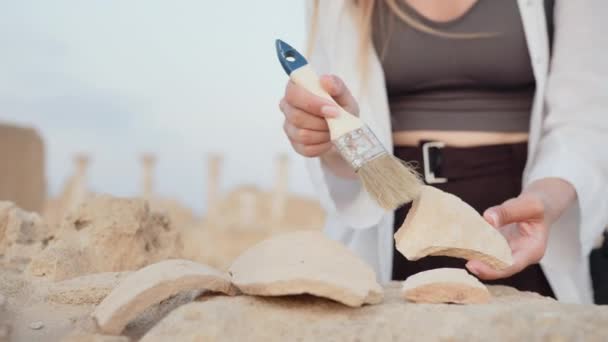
{"x":181,"y":79}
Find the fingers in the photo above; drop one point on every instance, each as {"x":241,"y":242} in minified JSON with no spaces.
{"x":306,"y":114}
{"x":305,"y":136}
{"x":340,"y":93}
{"x":301,"y":99}
{"x":525,"y":208}
{"x":484,"y":272}
{"x":525,"y":253}
{"x":311,"y":150}
{"x":301,"y":119}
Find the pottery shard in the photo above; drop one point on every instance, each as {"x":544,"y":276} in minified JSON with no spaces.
{"x":445,"y":285}
{"x":306,"y":262}
{"x":151,"y":285}
{"x":440,"y":223}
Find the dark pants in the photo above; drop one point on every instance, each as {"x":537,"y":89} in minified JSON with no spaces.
{"x":483,"y":177}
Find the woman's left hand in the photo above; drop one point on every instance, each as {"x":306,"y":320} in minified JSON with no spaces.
{"x":524,"y":221}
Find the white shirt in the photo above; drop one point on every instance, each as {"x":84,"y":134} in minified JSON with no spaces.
{"x":568,"y":135}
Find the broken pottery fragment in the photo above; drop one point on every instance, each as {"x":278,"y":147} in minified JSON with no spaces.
{"x":306,"y":262}
{"x":445,"y":285}
{"x":151,"y":285}
{"x":440,"y":223}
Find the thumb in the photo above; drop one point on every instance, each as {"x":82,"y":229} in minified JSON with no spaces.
{"x":523,"y":208}
{"x":340,"y":93}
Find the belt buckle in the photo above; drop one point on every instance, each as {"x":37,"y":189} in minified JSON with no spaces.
{"x":429,"y":175}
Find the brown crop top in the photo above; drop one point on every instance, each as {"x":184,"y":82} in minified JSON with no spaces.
{"x":474,"y":84}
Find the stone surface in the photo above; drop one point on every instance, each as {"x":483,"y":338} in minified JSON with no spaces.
{"x":88,"y":289}
{"x":36,"y":325}
{"x":22,"y":171}
{"x":510,"y":316}
{"x":152,"y":284}
{"x":445,"y":285}
{"x":107,"y":234}
{"x":5,"y":329}
{"x":305,"y":262}
{"x":81,"y":336}
{"x":440,"y":223}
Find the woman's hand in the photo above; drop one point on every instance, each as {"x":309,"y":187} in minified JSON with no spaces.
{"x":305,"y":115}
{"x":525,"y":221}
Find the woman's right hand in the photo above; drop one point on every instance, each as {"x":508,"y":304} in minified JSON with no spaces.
{"x":305,"y":115}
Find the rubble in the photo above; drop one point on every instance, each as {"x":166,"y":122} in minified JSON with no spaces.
{"x":22,"y":234}
{"x":107,"y":234}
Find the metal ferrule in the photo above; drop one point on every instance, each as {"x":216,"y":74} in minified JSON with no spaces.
{"x":359,"y":146}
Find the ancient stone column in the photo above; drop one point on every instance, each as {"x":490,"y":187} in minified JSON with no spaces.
{"x":214,"y":164}
{"x":279,"y":193}
{"x":78,"y":186}
{"x":247,"y":209}
{"x":148,"y":162}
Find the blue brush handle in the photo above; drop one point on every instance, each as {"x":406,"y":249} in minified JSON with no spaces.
{"x":289,"y":57}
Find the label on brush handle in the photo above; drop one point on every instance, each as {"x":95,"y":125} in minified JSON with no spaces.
{"x":359,"y":146}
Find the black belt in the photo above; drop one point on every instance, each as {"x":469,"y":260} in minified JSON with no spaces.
{"x":441,"y":163}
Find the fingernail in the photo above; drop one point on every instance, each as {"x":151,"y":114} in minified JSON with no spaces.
{"x":493,"y":218}
{"x":472,"y":269}
{"x":330,"y":111}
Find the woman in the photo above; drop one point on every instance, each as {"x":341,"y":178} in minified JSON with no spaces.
{"x":507,"y":101}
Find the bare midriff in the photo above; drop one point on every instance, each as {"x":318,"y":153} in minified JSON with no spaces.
{"x":458,"y":138}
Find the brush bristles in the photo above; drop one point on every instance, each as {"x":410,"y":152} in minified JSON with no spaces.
{"x":391,"y":181}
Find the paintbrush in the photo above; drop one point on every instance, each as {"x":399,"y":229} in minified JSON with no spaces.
{"x":389,"y":180}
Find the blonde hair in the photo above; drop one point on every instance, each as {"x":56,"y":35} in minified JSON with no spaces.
{"x":363,"y":11}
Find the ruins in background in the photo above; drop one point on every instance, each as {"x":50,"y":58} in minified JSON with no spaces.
{"x":22,"y":179}
{"x":244,"y":208}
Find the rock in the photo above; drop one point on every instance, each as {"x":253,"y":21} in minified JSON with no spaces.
{"x":36,"y":325}
{"x":305,"y":262}
{"x":88,"y":289}
{"x":440,"y":223}
{"x":151,"y":285}
{"x":445,"y":285}
{"x":81,"y":336}
{"x":107,"y":234}
{"x":509,"y":316}
{"x":22,"y":234}
{"x":62,"y":260}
